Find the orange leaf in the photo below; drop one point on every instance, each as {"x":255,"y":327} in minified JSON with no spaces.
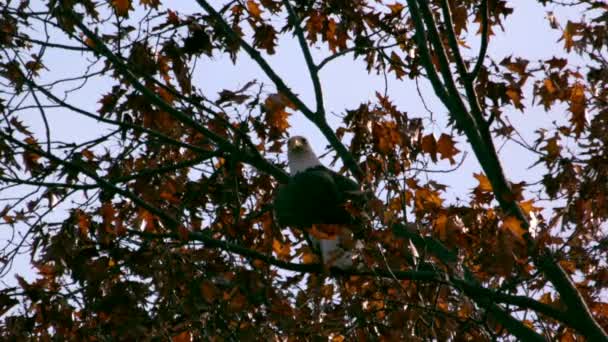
{"x":577,"y":108}
{"x":276,"y":116}
{"x":337,"y":338}
{"x":514,"y":226}
{"x":122,"y":7}
{"x":83,"y":222}
{"x":309,"y":258}
{"x":515,"y":96}
{"x":254,"y":9}
{"x":395,"y":8}
{"x":549,"y":86}
{"x":314,"y":25}
{"x":184,"y":336}
{"x":283,"y":250}
{"x":429,"y":145}
{"x":484,"y":182}
{"x":528,"y":206}
{"x":440,"y":226}
{"x":445,"y":147}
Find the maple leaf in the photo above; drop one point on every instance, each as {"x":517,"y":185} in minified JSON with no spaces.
{"x":553,"y":148}
{"x":314,"y":25}
{"x":528,"y":207}
{"x":283,"y":250}
{"x":276,"y":115}
{"x":265,"y":37}
{"x":484,"y":182}
{"x":568,"y":34}
{"x":515,"y":95}
{"x":446,"y":148}
{"x":578,"y":105}
{"x":254,"y":9}
{"x":396,"y":65}
{"x":557,"y":63}
{"x":396,"y":8}
{"x":429,"y":145}
{"x":513,"y":225}
{"x":122,"y":7}
{"x":150,"y":3}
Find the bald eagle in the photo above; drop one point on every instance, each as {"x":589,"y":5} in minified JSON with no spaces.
{"x":317,"y":196}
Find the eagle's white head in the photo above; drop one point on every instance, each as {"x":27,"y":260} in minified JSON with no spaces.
{"x":300,"y":155}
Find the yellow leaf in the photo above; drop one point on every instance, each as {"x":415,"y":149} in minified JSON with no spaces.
{"x":484,"y":182}
{"x":282,"y":250}
{"x":440,"y":226}
{"x":528,"y":206}
{"x":122,"y":7}
{"x":337,"y":338}
{"x":578,"y":105}
{"x":513,"y":225}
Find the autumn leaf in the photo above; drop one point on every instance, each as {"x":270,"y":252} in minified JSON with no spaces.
{"x":528,"y":207}
{"x":122,"y":7}
{"x":150,"y":3}
{"x":283,"y":250}
{"x":446,"y":148}
{"x":515,"y":95}
{"x":314,"y":25}
{"x":276,"y":115}
{"x":325,"y":231}
{"x":396,"y":8}
{"x":254,"y":9}
{"x":578,"y":105}
{"x":440,"y":225}
{"x":184,"y":336}
{"x":265,"y":38}
{"x":513,"y":225}
{"x":83,"y":221}
{"x":429,"y":145}
{"x":549,"y":86}
{"x":309,"y":258}
{"x":484,"y":183}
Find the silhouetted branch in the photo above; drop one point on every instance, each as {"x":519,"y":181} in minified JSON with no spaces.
{"x":485,"y":37}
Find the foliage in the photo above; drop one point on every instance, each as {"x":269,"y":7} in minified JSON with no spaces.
{"x":160,"y":224}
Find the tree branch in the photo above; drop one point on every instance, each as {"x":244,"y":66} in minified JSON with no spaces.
{"x":485,"y":36}
{"x":481,"y":142}
{"x":342,"y":151}
{"x":222,"y":143}
{"x":312,"y":68}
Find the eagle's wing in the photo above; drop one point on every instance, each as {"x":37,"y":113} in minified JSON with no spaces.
{"x":310,"y":197}
{"x":313,"y":197}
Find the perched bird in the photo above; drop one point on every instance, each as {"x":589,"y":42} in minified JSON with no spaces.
{"x":316,"y":196}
